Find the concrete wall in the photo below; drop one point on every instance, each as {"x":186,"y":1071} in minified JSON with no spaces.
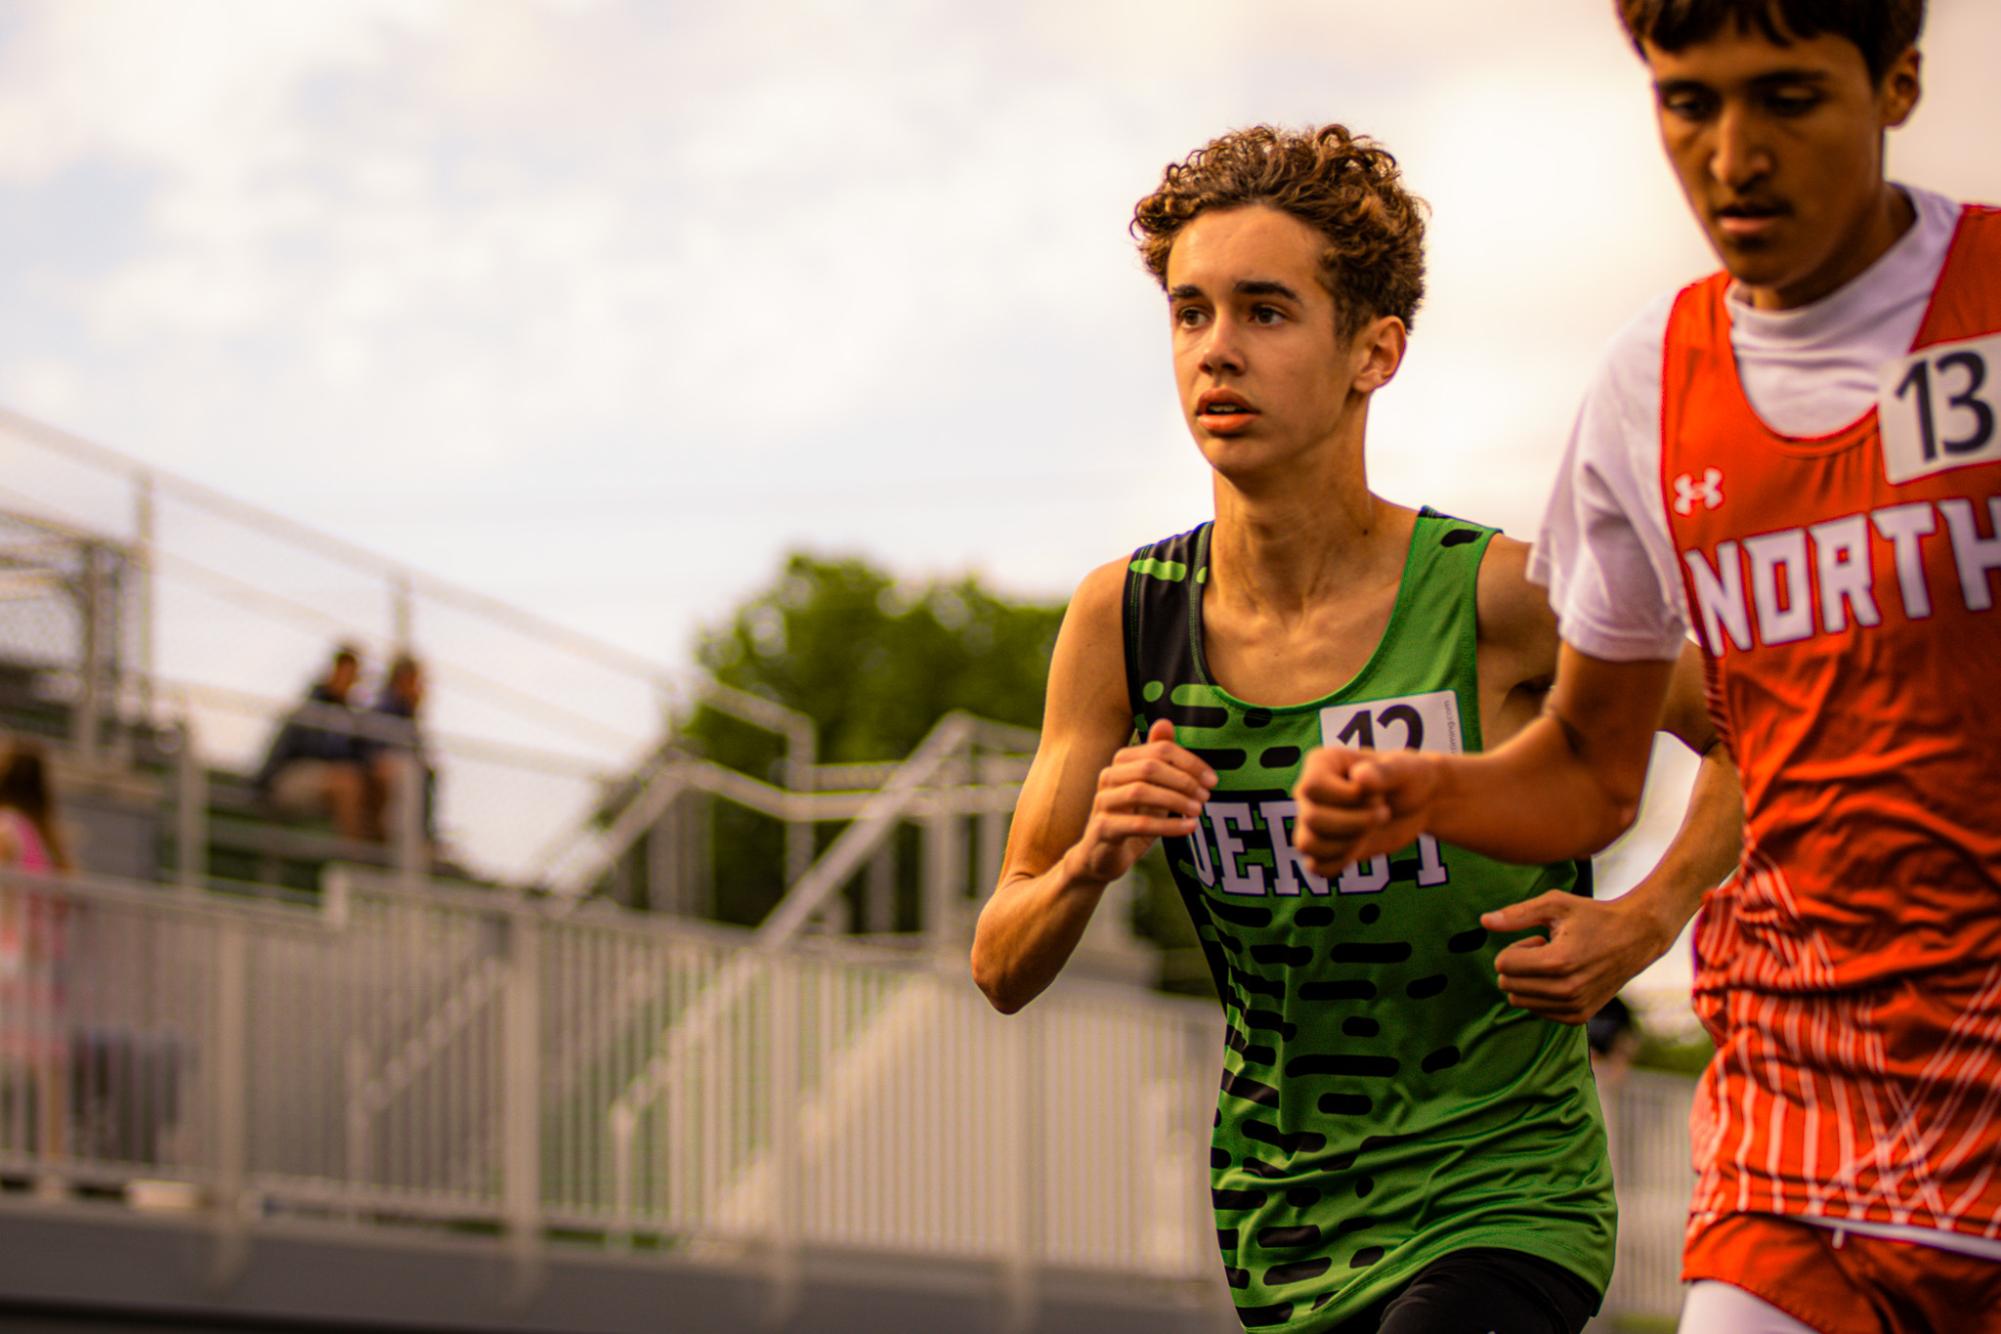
{"x":76,"y":1268}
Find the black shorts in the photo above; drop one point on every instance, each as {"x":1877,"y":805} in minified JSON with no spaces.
{"x":1483,"y":1290}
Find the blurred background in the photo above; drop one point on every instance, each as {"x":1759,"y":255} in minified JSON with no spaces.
{"x":530,"y":536}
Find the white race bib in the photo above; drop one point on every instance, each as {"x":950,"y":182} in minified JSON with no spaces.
{"x":1409,"y":722}
{"x":1940,"y":409}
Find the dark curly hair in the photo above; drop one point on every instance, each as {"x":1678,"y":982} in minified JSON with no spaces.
{"x":1881,"y":29}
{"x":1345,"y":186}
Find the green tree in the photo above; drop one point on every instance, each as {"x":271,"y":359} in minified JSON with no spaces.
{"x":875,"y":662}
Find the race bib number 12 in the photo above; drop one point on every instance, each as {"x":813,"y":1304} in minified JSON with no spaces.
{"x":1411,"y":722}
{"x":1940,"y":409}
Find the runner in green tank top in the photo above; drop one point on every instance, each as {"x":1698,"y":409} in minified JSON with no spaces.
{"x":1365,"y":1032}
{"x":1397,"y":1146}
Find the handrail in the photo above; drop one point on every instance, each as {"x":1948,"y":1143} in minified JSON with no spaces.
{"x":877,"y":818}
{"x":797,"y":728}
{"x":291,"y":530}
{"x":802,"y":739}
{"x":663,"y":783}
{"x":147,"y":896}
{"x":368,"y":724}
{"x":872,"y":824}
{"x":670,"y":775}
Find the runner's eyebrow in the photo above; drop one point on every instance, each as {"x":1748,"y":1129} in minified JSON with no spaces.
{"x":1782,"y":77}
{"x":1769,"y":79}
{"x":1246,"y":287}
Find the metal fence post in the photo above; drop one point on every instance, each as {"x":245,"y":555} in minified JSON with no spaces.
{"x":787,"y":1179}
{"x":190,"y":813}
{"x":88,"y":720}
{"x":230,"y":1088}
{"x":663,"y":883}
{"x":799,"y":831}
{"x":360,"y":1137}
{"x":944,"y":859}
{"x":879,"y":891}
{"x":992,"y":826}
{"x":621,"y":1126}
{"x":521,"y":1132}
{"x":1024,"y":1254}
{"x":412,"y":854}
{"x":144,"y":528}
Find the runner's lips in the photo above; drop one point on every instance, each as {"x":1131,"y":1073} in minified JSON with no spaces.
{"x":1223,"y":403}
{"x":1749,"y":217}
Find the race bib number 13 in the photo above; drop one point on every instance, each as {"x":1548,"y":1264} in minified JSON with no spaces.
{"x":1940,"y":409}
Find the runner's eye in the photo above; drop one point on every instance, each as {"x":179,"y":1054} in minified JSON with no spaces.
{"x":1262,"y":314}
{"x":1686,"y":104}
{"x":1791,"y":101}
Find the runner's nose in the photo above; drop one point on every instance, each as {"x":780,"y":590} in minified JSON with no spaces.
{"x":1222,"y":349}
{"x":1739,"y":156}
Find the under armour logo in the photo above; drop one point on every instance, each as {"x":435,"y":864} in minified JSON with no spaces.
{"x":1709,"y":491}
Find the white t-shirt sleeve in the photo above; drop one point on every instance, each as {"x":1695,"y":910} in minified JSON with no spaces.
{"x":1603,"y":550}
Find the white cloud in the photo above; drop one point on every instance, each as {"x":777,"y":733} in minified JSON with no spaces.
{"x":201,"y":87}
{"x":45,"y":386}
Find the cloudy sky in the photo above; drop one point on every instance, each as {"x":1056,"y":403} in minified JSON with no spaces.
{"x":599,"y":307}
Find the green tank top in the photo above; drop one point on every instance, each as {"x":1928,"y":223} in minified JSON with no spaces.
{"x":1382,"y":1103}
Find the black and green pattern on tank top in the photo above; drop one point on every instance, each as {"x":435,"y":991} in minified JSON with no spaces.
{"x":1382,"y":1104}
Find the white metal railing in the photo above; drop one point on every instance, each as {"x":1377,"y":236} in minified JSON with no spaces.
{"x":452,"y":1056}
{"x":1646,"y":1113}
{"x":445,"y":1055}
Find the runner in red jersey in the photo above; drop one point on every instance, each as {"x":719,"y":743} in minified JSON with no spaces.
{"x":1798,"y":460}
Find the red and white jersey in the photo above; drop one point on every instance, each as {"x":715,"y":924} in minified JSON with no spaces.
{"x":1843,"y":588}
{"x":1840,"y":563}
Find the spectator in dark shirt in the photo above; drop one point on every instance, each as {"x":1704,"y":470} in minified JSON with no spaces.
{"x":316,"y":767}
{"x":392,"y":746}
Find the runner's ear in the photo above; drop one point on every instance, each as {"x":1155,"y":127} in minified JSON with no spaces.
{"x":1901,"y":88}
{"x":1379,"y":348}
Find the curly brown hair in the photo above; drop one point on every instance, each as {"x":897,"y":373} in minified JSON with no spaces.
{"x":1881,"y":29}
{"x":1346,"y":186}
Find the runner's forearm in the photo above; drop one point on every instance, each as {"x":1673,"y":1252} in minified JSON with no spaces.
{"x":1704,"y":850}
{"x":1535,"y":799}
{"x":1568,"y":783}
{"x":1028,"y":930}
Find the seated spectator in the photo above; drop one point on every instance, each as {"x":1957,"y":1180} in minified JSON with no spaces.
{"x":31,"y":837}
{"x":392,"y":746}
{"x":34,"y":949}
{"x":315,"y":767}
